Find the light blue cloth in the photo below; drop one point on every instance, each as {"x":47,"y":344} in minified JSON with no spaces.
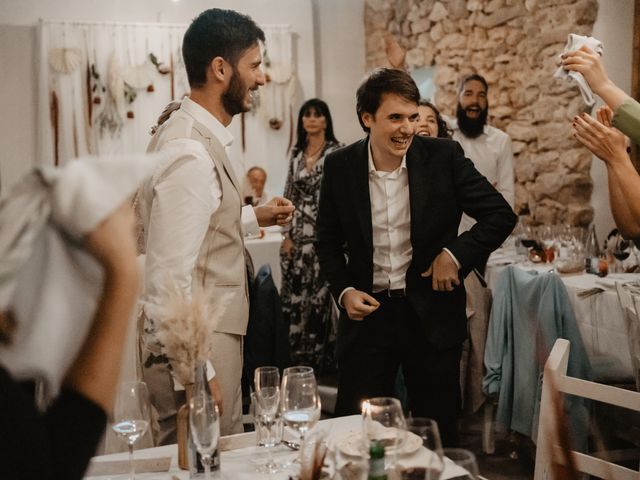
{"x":530,"y":311}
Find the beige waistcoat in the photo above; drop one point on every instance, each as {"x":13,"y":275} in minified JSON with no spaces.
{"x":220,"y":266}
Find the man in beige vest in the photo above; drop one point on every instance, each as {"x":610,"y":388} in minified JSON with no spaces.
{"x":192,"y":215}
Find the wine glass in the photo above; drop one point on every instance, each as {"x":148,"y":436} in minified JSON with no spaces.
{"x":383,"y":424}
{"x":131,"y":416}
{"x":300,"y":401}
{"x":204,"y":427}
{"x":431,"y":465}
{"x":464,"y":459}
{"x":265,"y":402}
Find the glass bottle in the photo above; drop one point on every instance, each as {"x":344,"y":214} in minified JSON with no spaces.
{"x":592,"y":251}
{"x":376,"y":461}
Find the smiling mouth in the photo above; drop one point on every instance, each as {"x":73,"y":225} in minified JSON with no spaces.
{"x":400,"y":142}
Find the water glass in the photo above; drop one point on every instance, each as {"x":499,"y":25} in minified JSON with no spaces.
{"x":300,"y":400}
{"x":204,"y":423}
{"x":430,"y":464}
{"x":464,"y":459}
{"x":383,"y":421}
{"x":131,"y":415}
{"x":269,"y":429}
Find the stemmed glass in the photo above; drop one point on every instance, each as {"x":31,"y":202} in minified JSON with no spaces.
{"x":383,"y":422}
{"x":266,"y":413}
{"x":131,"y":416}
{"x":205,"y":427}
{"x":300,"y":401}
{"x":464,"y":459}
{"x":432,"y":467}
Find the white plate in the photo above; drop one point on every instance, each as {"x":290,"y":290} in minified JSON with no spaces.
{"x":351,"y":443}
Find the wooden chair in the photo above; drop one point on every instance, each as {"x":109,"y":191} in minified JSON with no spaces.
{"x":629,"y":305}
{"x":549,"y":453}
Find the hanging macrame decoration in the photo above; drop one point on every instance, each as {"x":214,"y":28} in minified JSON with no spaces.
{"x":111,"y":118}
{"x":276,"y":97}
{"x":65,"y":60}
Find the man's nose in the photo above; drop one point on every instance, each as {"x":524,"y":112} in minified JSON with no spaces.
{"x":408,"y":125}
{"x":261,"y":79}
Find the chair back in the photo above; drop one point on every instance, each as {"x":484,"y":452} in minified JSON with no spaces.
{"x":630,"y":306}
{"x":550,"y":454}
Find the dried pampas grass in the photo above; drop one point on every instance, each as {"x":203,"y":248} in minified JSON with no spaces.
{"x":185,"y":331}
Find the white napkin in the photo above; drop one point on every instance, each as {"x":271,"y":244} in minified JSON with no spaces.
{"x":574,"y":42}
{"x":47,"y":278}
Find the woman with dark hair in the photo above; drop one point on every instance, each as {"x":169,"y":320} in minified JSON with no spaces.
{"x":306,"y":301}
{"x":430,"y":122}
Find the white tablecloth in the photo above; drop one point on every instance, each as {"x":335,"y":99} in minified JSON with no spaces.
{"x":266,"y":250}
{"x":599,"y":316}
{"x":240,"y":463}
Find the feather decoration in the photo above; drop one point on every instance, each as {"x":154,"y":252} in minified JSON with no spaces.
{"x":185,"y":330}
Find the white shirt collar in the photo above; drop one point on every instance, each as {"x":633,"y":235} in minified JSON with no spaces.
{"x":199,"y":113}
{"x":372,"y":167}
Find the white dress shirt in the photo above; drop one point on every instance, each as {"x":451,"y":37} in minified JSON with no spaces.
{"x":391,"y":227}
{"x":492,"y":155}
{"x":184,"y":200}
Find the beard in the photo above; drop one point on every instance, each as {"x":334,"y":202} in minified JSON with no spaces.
{"x":471,"y":127}
{"x":233,"y":98}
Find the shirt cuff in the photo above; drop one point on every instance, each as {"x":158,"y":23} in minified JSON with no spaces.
{"x":453,"y":257}
{"x":249,"y":221}
{"x":342,"y":295}
{"x":211,"y":372}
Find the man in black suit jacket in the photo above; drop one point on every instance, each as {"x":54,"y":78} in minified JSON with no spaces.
{"x":388,"y":244}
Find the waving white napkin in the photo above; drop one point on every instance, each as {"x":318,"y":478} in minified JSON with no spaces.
{"x":47,"y":279}
{"x":574,"y":42}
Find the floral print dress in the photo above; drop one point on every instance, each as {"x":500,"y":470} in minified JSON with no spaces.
{"x":306,"y":301}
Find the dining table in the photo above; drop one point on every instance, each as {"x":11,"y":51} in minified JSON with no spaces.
{"x":265,"y":250}
{"x":596,"y":307}
{"x":240,"y":458}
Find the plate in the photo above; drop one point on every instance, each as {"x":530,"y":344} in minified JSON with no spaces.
{"x":351,"y":443}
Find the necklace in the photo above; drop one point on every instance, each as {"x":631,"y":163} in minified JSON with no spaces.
{"x":317,"y":151}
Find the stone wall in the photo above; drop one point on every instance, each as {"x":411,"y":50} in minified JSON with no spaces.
{"x":514,"y":44}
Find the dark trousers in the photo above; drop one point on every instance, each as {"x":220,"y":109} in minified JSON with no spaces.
{"x":391,"y":337}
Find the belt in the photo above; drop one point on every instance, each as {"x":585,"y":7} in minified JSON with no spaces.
{"x":391,"y":293}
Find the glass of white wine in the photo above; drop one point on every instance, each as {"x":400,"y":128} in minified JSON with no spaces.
{"x":300,"y":402}
{"x":131,"y":416}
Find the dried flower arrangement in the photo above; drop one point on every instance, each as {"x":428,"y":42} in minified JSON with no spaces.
{"x":185,"y":331}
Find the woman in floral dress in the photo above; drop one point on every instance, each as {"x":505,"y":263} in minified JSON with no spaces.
{"x":306,"y":301}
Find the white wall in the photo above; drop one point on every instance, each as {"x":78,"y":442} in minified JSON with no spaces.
{"x":17,"y":98}
{"x":342,"y":61}
{"x":614,"y":27}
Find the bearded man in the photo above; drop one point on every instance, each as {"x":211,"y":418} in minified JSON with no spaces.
{"x":192,"y":216}
{"x":487,"y":147}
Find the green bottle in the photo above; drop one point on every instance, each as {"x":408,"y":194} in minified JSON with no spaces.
{"x":376,"y":461}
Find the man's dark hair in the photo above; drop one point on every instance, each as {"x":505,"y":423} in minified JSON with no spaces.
{"x":217,"y":33}
{"x":322,"y":109}
{"x":384,"y":81}
{"x":473,"y":76}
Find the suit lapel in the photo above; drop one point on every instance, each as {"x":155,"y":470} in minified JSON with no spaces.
{"x":418,"y":170}
{"x":361,"y":197}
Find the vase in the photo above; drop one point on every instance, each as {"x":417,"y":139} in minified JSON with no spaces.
{"x":183,"y":430}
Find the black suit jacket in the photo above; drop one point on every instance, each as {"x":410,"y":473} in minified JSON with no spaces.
{"x":442,"y":185}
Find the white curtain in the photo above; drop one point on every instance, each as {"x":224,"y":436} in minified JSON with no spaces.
{"x":89,"y":73}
